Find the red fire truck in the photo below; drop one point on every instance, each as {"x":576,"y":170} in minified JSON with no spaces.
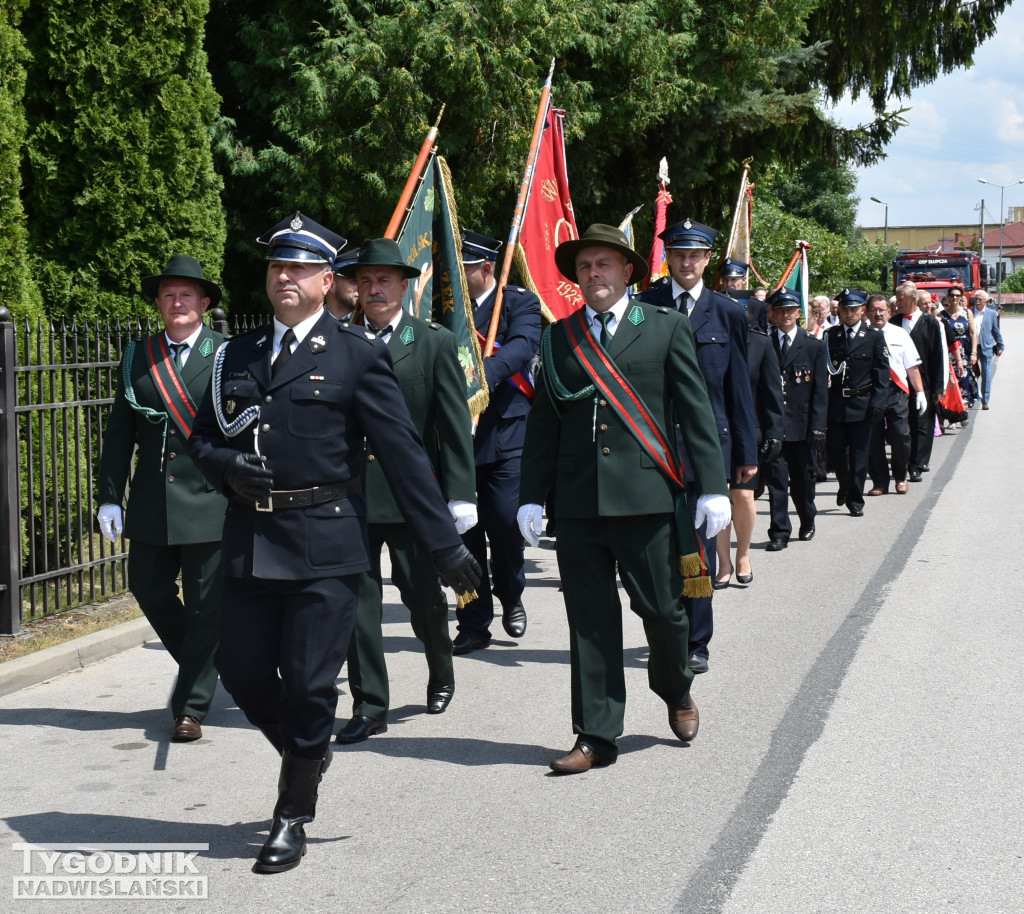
{"x":938,"y":273}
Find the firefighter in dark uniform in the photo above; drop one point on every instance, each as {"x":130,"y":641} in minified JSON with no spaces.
{"x":801,"y":360}
{"x":282,"y":433}
{"x":174,"y":518}
{"x":426,"y":363}
{"x":498,"y":446}
{"x":859,"y":365}
{"x":719,"y":327}
{"x":342,"y":297}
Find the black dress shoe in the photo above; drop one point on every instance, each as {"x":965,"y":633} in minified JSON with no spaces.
{"x":360,"y":728}
{"x":465,"y":642}
{"x":806,"y":533}
{"x":745,"y":578}
{"x":855,"y":510}
{"x":914,"y":476}
{"x":697,"y":663}
{"x":440,"y":691}
{"x":513,"y":620}
{"x":721,"y":585}
{"x":925,"y":468}
{"x":776,"y":545}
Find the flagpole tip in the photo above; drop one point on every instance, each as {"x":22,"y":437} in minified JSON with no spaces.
{"x":440,"y":114}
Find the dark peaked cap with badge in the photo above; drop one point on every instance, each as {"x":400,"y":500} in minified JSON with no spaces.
{"x":381,"y":252}
{"x":301,"y":240}
{"x":477,"y":248}
{"x":598,"y":235}
{"x":784,"y":298}
{"x":689,"y":234}
{"x":732,"y":267}
{"x":181,"y":266}
{"x":851,"y":298}
{"x":343,"y":260}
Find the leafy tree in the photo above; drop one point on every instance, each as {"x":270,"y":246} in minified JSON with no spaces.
{"x":817,"y":189}
{"x":17,"y":290}
{"x":120,"y":172}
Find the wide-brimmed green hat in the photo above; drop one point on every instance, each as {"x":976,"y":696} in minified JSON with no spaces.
{"x":381,"y":252}
{"x":181,"y":266}
{"x":598,"y":235}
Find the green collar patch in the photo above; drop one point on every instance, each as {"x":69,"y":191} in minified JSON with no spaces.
{"x":407,"y":335}
{"x":636,"y":315}
{"x":206,"y":348}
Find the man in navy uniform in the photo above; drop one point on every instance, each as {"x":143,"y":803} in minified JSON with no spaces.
{"x":342,"y":297}
{"x":174,"y":519}
{"x":426,"y":363}
{"x":859,"y":365}
{"x":282,"y":433}
{"x":498,"y":445}
{"x":805,"y":414}
{"x":719,"y":327}
{"x":734,"y":284}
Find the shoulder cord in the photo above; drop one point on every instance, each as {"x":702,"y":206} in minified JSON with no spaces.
{"x":156,"y":416}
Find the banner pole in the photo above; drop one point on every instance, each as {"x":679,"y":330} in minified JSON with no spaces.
{"x":415,"y":176}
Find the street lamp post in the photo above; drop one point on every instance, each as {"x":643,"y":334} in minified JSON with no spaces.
{"x":886,"y":205}
{"x":1002,"y":222}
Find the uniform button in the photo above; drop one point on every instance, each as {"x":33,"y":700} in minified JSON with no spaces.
{"x":268,"y":398}
{"x":337,"y":510}
{"x":604,"y":427}
{"x":602,"y":402}
{"x":170,"y":479}
{"x":265,"y":427}
{"x":606,"y":450}
{"x":172,"y":431}
{"x":172,"y":455}
{"x":370,"y":458}
{"x":316,"y":393}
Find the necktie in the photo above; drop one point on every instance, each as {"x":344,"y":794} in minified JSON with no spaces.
{"x":849,"y":333}
{"x":286,"y":352}
{"x":176,"y":351}
{"x":605,"y":338}
{"x":383,"y":330}
{"x":784,"y":348}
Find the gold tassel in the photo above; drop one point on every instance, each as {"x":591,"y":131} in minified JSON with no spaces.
{"x":691,"y":565}
{"x":462,"y":599}
{"x":697,"y":587}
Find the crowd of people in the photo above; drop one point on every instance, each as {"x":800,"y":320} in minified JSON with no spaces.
{"x":270,"y":470}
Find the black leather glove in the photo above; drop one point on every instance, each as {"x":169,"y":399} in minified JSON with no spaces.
{"x":770,"y":449}
{"x":817,"y":439}
{"x":877,"y":413}
{"x":997,"y":350}
{"x":457,"y":568}
{"x":248,"y":476}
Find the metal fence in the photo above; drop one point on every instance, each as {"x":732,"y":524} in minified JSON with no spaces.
{"x":56,"y":387}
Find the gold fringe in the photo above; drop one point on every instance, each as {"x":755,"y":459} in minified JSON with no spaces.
{"x":479,"y":401}
{"x":462,"y":599}
{"x":697,"y":587}
{"x":546,"y":316}
{"x":691,"y":566}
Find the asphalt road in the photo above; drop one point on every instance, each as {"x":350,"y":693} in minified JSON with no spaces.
{"x":860,"y":743}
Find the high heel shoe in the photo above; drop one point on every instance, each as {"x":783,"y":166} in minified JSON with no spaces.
{"x":745,"y":578}
{"x":718,"y":584}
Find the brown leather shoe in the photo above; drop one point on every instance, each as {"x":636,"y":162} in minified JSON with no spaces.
{"x":902,"y":487}
{"x":186,"y":729}
{"x":684,"y":720}
{"x":877,"y":490}
{"x":581,"y":758}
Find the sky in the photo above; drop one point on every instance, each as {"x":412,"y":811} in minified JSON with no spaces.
{"x":964,"y":126}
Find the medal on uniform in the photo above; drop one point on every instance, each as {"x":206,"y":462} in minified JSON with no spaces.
{"x":230,"y":407}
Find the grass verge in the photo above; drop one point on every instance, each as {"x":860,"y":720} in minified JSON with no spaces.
{"x":40,"y":634}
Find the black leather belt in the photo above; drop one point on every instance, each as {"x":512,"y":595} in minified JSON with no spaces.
{"x":280,"y":499}
{"x":856,"y":391}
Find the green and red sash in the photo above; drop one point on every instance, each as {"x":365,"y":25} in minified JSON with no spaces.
{"x":179,"y":407}
{"x":643,"y":426}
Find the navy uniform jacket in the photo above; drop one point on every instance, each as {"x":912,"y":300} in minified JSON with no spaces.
{"x":929,"y":339}
{"x":804,"y":387}
{"x":765,"y":385}
{"x":170,"y":503}
{"x":502,"y":426}
{"x":337,"y":389}
{"x":867,"y":371}
{"x":425,"y":357}
{"x":719,"y":328}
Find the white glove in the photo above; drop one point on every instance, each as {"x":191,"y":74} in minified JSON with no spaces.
{"x":464,"y":515}
{"x":109,"y":517}
{"x":716,"y":510}
{"x":529,"y":520}
{"x":921,"y":401}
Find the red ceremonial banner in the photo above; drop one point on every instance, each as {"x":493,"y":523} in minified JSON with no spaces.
{"x":656,"y":260}
{"x":549,"y":221}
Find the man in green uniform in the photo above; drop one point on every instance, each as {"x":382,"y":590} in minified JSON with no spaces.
{"x":426,"y":362}
{"x":617,"y":377}
{"x":174,"y":518}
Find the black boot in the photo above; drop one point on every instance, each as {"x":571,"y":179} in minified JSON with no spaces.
{"x":296,"y":805}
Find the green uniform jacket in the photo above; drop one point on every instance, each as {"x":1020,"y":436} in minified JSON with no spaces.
{"x":426,"y":361}
{"x":597,"y":466}
{"x":170,"y":504}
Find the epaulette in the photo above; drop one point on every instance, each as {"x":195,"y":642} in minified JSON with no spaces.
{"x":515,"y":288}
{"x":434,"y":325}
{"x":662,"y":281}
{"x":758,"y":330}
{"x":663,"y":310}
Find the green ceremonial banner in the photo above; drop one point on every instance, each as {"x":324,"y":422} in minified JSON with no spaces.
{"x":430,"y":240}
